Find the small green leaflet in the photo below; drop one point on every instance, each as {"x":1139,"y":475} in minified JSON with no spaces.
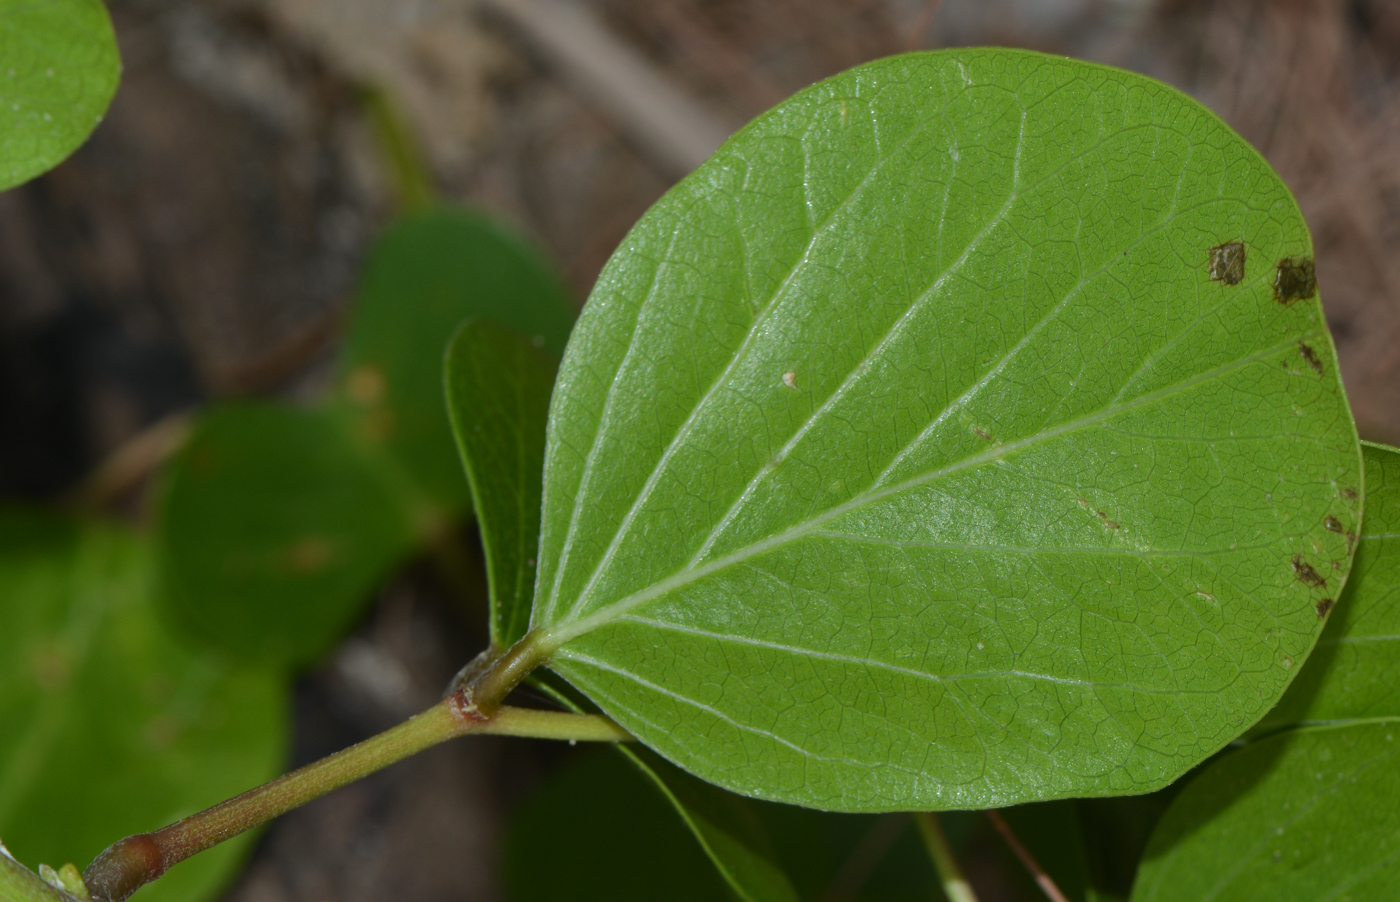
{"x":498,"y":386}
{"x":274,"y":528}
{"x":427,"y":274}
{"x":113,"y":726}
{"x":1354,"y":673}
{"x":58,"y":71}
{"x":1308,"y":814}
{"x":944,"y":441}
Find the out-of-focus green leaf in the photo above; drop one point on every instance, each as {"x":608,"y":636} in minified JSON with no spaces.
{"x":113,"y":726}
{"x":498,"y":386}
{"x":427,"y":274}
{"x":1354,"y":672}
{"x":1307,"y":814}
{"x":58,"y":71}
{"x":274,"y":528}
{"x":596,"y":830}
{"x":961,"y":434}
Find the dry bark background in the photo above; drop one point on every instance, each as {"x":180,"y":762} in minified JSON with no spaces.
{"x":205,"y":242}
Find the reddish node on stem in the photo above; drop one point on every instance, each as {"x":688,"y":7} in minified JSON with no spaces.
{"x":124,"y":867}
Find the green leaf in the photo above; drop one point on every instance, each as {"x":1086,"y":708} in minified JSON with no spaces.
{"x":595,"y":830}
{"x":111,"y":726}
{"x":59,"y":68}
{"x":427,"y":274}
{"x":498,"y":386}
{"x":1305,"y":814}
{"x":1355,"y":670}
{"x":274,"y":528}
{"x":934,"y":446}
{"x":728,"y":828}
{"x":19,"y":884}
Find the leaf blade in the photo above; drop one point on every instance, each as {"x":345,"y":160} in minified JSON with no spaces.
{"x":800,"y":381}
{"x":498,"y":386}
{"x":1307,"y":813}
{"x":61,"y":69}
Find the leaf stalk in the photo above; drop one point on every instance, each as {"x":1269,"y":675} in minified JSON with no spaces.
{"x":950,"y":875}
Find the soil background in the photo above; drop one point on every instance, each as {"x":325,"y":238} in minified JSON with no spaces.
{"x":205,"y":243}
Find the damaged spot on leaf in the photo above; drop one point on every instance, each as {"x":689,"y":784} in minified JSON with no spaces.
{"x":1295,"y":279}
{"x":1332,"y":524}
{"x":986,"y":437}
{"x":1324,"y":606}
{"x":1227,"y":263}
{"x":1306,"y":574}
{"x":1310,"y":356}
{"x":1349,"y":494}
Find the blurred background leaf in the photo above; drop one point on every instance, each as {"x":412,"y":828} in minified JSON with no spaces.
{"x":113,"y":725}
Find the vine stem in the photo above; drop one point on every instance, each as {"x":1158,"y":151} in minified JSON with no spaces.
{"x":955,"y":885}
{"x":1044,"y":880}
{"x":475,"y":707}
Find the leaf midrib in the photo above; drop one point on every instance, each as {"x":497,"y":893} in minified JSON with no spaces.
{"x":554,"y":637}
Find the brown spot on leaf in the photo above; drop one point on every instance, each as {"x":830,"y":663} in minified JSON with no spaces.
{"x":1107,"y":522}
{"x":1310,"y":356}
{"x":1332,"y":524}
{"x":1306,"y":574}
{"x":1227,"y":263}
{"x":1324,"y":606}
{"x":982,"y":435}
{"x":1295,"y":279}
{"x":1349,"y":494}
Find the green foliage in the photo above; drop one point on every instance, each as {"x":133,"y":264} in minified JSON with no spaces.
{"x":58,"y":71}
{"x":425,"y":276}
{"x":277,"y":522}
{"x":1352,"y":673}
{"x":913,"y":452}
{"x":498,"y":386}
{"x":1308,"y":812}
{"x":274,"y":529}
{"x":112,"y":726}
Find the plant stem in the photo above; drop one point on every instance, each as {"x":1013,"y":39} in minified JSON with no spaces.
{"x":1047,"y":885}
{"x":135,"y":861}
{"x":955,"y":885}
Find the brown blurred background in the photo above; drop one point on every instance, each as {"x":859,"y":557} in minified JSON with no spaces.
{"x":205,"y":243}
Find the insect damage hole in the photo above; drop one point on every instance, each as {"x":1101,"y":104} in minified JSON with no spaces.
{"x":1227,"y":263}
{"x":1294,"y":279}
{"x":1324,"y":606}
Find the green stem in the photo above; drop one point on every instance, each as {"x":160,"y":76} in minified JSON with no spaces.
{"x":19,"y":884}
{"x":135,"y":861}
{"x":955,"y":885}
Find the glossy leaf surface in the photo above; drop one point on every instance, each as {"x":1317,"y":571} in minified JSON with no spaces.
{"x":1308,"y":814}
{"x":498,"y":386}
{"x":1355,"y":670}
{"x":427,"y":274}
{"x":275,"y":526}
{"x":58,"y":71}
{"x":112,"y":725}
{"x":918,"y":451}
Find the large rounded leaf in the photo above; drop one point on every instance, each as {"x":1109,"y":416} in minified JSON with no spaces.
{"x":58,"y":71}
{"x":109,"y":725}
{"x":963,"y":433}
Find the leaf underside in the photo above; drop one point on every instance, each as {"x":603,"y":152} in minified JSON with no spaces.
{"x":917,"y":452}
{"x":58,"y":71}
{"x":1308,"y":813}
